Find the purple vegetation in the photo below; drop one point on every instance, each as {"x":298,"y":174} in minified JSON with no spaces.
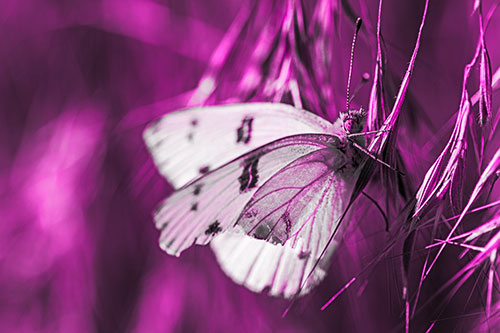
{"x":80,"y":80}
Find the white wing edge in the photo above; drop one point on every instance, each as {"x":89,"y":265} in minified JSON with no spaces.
{"x":288,"y":110}
{"x":260,"y":266}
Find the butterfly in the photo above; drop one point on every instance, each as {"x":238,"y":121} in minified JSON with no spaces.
{"x":266,"y":184}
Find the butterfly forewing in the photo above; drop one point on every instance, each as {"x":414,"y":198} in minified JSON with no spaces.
{"x":212,"y":204}
{"x":189,"y":143}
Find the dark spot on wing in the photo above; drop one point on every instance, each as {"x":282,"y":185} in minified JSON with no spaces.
{"x":304,"y":255}
{"x":197,"y":189}
{"x":251,"y":213}
{"x":190,"y":136}
{"x":262,"y":231}
{"x":204,"y":169}
{"x":275,"y":240}
{"x":250,"y":174}
{"x":213,"y":229}
{"x":244,"y":132}
{"x":194,"y":122}
{"x":194,"y":207}
{"x":288,"y":223}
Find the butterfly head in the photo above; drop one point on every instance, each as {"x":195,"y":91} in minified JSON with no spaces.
{"x":353,"y":121}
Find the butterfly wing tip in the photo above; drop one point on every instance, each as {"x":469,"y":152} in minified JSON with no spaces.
{"x":160,"y":224}
{"x":152,"y":134}
{"x":170,"y":251}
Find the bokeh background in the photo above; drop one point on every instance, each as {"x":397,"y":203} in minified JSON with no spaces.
{"x":80,"y":80}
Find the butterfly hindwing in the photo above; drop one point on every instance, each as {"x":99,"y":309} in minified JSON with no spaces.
{"x":277,"y":208}
{"x":264,"y":267}
{"x":189,"y":143}
{"x":294,"y":213}
{"x":212,"y":204}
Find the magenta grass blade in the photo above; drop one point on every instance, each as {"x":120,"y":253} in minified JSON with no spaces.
{"x":337,"y":294}
{"x":437,"y":181}
{"x":489,"y":171}
{"x":491,"y":272}
{"x":377,"y":145}
{"x":208,"y":81}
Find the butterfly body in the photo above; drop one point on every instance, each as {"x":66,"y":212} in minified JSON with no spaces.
{"x":271,"y":183}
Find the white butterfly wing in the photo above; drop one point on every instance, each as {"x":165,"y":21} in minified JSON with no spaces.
{"x":213,"y":203}
{"x":264,"y":267}
{"x":293,"y":215}
{"x":188,"y":143}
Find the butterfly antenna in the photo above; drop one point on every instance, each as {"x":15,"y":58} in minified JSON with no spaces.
{"x":358,"y":26}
